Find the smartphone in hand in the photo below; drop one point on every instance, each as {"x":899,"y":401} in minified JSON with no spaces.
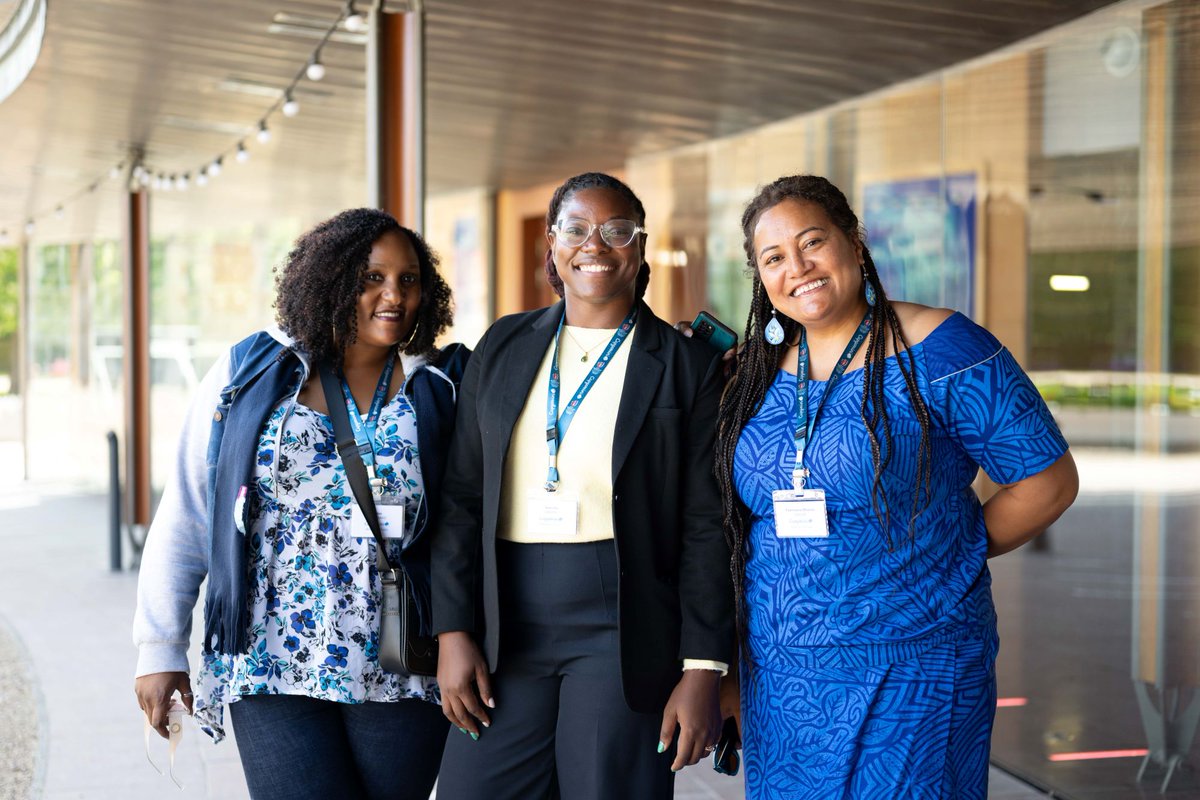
{"x":710,"y":329}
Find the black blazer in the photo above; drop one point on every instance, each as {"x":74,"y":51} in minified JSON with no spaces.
{"x":676,"y":596}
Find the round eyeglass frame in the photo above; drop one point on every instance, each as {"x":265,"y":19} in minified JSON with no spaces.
{"x":604,"y":234}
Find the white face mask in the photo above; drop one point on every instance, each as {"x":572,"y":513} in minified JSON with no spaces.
{"x":175,"y":730}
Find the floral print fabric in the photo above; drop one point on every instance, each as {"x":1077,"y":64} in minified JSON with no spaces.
{"x":314,"y":588}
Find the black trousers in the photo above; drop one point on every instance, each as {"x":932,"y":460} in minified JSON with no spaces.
{"x":561,"y":727}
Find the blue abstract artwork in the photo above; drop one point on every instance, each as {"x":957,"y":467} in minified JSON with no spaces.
{"x":922,"y":235}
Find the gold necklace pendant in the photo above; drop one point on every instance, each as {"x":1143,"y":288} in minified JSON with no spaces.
{"x":587,"y":351}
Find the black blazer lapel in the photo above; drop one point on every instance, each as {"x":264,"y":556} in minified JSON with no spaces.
{"x":642,"y":378}
{"x":523,"y":356}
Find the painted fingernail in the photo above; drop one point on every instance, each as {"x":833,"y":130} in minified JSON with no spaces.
{"x":464,"y":730}
{"x":475,"y":737}
{"x":662,"y":747}
{"x":491,"y":703}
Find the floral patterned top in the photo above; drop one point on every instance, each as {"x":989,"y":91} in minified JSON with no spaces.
{"x":314,"y":589}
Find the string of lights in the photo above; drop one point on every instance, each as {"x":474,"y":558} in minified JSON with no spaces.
{"x":144,"y":176}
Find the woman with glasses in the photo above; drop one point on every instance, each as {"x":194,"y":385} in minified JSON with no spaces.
{"x":847,"y":444}
{"x":259,"y":504}
{"x":581,"y":578}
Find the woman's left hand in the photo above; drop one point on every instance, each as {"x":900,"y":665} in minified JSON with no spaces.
{"x":695,"y":708}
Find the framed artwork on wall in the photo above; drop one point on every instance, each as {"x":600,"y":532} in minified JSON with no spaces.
{"x":923,"y":234}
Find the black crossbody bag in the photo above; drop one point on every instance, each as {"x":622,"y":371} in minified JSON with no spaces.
{"x":402,"y":650}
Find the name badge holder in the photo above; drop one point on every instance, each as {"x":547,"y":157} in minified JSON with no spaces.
{"x":552,"y":511}
{"x":364,"y":430}
{"x":800,"y":512}
{"x":390,"y":509}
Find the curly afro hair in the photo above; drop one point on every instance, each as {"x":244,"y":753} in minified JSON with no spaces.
{"x":318,"y":287}
{"x":593,"y":180}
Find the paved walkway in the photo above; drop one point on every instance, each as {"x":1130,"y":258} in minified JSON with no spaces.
{"x":69,"y":724}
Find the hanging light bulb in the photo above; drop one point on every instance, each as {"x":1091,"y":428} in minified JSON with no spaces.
{"x":115,"y":171}
{"x":4,"y":237}
{"x":264,"y":133}
{"x":202,"y":178}
{"x":354,"y":22}
{"x":315,"y":70}
{"x":214,"y":169}
{"x":29,"y":227}
{"x":144,"y":179}
{"x":58,"y":212}
{"x":181,"y":183}
{"x":243,"y":155}
{"x":290,"y":107}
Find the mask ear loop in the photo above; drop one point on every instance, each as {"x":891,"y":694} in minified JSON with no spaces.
{"x":175,"y":734}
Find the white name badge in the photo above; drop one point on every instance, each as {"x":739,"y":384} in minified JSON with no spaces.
{"x":391,"y":521}
{"x":552,"y":513}
{"x":800,"y":514}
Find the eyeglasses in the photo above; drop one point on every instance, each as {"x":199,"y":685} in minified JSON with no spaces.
{"x":573,"y":231}
{"x":726,"y":759}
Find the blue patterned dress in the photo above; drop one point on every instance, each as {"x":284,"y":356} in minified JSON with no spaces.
{"x":313,"y":587}
{"x":873,"y":669}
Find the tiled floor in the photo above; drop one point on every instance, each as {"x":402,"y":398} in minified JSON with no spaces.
{"x":1094,"y":626}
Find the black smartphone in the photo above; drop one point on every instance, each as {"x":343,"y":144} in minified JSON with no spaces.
{"x":708,"y":328}
{"x":725,"y":758}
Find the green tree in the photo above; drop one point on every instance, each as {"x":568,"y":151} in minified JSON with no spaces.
{"x":8,"y":292}
{"x":9,"y":313}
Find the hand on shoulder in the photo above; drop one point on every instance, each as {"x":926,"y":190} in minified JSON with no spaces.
{"x":919,"y":321}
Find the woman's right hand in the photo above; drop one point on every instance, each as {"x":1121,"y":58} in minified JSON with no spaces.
{"x":462,"y":671}
{"x":154,"y":694}
{"x":728,"y":358}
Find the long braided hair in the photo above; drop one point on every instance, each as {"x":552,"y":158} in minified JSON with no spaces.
{"x":593,"y":180}
{"x":759,"y":361}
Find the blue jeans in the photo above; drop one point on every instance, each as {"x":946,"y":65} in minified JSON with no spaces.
{"x":295,"y":747}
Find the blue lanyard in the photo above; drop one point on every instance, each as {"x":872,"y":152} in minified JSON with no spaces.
{"x":364,"y":431}
{"x":556,"y":426}
{"x":804,"y":425}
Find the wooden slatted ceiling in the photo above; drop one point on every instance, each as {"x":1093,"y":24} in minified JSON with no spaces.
{"x":520,"y":92}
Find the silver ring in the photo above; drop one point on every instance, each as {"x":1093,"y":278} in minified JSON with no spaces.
{"x":185,"y":694}
{"x":710,"y":748}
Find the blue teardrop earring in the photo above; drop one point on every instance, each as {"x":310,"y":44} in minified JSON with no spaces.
{"x":869,"y":291}
{"x":773,"y":333}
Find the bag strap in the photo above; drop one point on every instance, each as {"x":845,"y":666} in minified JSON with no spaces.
{"x":356,"y":471}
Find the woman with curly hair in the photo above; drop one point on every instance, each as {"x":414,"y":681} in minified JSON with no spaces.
{"x":259,"y":503}
{"x":847,"y":443}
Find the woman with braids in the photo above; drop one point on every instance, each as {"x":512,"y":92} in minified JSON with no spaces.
{"x":581,"y":583}
{"x":847,"y":444}
{"x":259,"y":504}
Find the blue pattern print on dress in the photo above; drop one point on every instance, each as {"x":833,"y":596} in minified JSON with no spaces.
{"x":313,"y":609}
{"x":873,"y":669}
